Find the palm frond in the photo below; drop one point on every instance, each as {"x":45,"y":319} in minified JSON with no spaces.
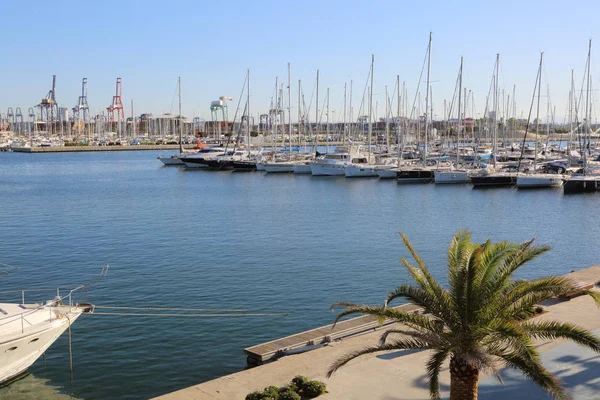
{"x":434,"y":365}
{"x":401,"y":344}
{"x":535,"y":372}
{"x":431,"y":304}
{"x":562,"y":330}
{"x":435,"y":340}
{"x":411,"y":319}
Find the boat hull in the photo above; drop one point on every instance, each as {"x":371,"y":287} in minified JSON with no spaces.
{"x":494,"y":181}
{"x":415,"y":176}
{"x":279,"y":168}
{"x":302,"y":168}
{"x":583,"y":184}
{"x":360,"y":171}
{"x":533,"y":181}
{"x":387,"y":174}
{"x":21,"y":352}
{"x":318,"y":169}
{"x":244,"y":166}
{"x":171,"y":161}
{"x":447,"y":177}
{"x":219,"y":165}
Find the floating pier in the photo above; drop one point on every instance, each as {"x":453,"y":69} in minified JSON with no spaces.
{"x":315,"y":338}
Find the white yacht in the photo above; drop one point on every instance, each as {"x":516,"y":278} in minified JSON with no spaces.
{"x":331,"y":164}
{"x":360,"y":168}
{"x":28,"y":330}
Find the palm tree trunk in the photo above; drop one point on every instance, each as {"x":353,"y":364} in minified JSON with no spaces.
{"x":464,"y":380}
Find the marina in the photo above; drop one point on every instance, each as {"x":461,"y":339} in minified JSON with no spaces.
{"x":343,"y":244}
{"x":299,"y":200}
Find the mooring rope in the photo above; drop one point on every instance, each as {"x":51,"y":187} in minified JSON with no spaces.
{"x":171,"y":309}
{"x":192,"y":315}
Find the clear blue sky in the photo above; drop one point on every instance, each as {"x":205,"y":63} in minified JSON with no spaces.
{"x":211,"y":44}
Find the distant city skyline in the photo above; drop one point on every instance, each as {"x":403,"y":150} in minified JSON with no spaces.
{"x":150,"y":44}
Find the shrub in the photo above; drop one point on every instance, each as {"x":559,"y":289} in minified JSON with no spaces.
{"x":299,"y":381}
{"x":313,"y":389}
{"x":286,"y":393}
{"x":255,"y":396}
{"x":271,"y":392}
{"x":539,"y":309}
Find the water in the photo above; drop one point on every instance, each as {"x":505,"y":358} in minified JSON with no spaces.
{"x":267,"y":243}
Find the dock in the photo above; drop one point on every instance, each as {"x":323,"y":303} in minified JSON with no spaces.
{"x":395,"y":375}
{"x":79,"y":149}
{"x":315,"y":338}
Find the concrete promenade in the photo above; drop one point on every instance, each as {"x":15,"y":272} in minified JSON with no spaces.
{"x":401,"y":375}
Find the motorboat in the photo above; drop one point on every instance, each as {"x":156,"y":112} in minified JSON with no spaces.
{"x":332,"y":164}
{"x":201,"y":158}
{"x":28,"y":330}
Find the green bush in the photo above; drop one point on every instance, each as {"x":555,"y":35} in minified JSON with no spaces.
{"x":286,"y":393}
{"x":271,"y":392}
{"x":313,"y":389}
{"x":255,"y":396}
{"x":299,"y":381}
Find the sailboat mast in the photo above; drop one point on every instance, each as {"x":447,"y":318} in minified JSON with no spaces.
{"x":276,"y":110}
{"x":248,"y":111}
{"x":180,"y":117}
{"x":290,"y":107}
{"x":537,"y":117}
{"x":397,"y":125}
{"x":327,"y":128}
{"x":459,"y":127}
{"x":345,"y":132}
{"x":317,"y":115}
{"x":299,"y":111}
{"x":495,"y":131}
{"x":427,"y":100}
{"x":387,"y":122}
{"x":587,"y":109}
{"x":371,"y":106}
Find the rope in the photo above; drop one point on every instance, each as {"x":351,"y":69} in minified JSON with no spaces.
{"x":170,"y":309}
{"x":192,"y":315}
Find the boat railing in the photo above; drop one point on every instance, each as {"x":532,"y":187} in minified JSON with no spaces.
{"x":55,"y":302}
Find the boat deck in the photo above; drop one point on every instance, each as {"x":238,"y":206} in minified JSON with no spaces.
{"x":270,"y":351}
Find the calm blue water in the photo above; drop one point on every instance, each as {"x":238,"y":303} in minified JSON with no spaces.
{"x":267,"y":243}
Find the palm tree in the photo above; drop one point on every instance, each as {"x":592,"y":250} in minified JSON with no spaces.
{"x":481,"y":321}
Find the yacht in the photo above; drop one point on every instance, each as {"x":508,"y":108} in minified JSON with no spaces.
{"x":360,"y":168}
{"x":583,"y":181}
{"x":331,"y":164}
{"x":489,"y":178}
{"x":28,"y":330}
{"x":201,"y":158}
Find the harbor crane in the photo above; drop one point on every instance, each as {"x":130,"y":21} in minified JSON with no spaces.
{"x":81,"y":111}
{"x":19,"y":120}
{"x":49,"y":107}
{"x":31,"y":113}
{"x":10,"y":119}
{"x":116,"y":108}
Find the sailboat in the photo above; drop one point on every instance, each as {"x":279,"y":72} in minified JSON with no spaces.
{"x":491,"y":177}
{"x":456,"y":174}
{"x":423,"y":173}
{"x":535,"y":179}
{"x":176,"y":159}
{"x":361,"y":167}
{"x":285,"y":164}
{"x":587,"y":179}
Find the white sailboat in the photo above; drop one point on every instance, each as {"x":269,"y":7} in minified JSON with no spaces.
{"x":28,"y":330}
{"x":175,"y":159}
{"x":456,"y":174}
{"x":361,"y":167}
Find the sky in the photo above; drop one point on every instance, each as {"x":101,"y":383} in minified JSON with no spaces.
{"x":210,"y":45}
